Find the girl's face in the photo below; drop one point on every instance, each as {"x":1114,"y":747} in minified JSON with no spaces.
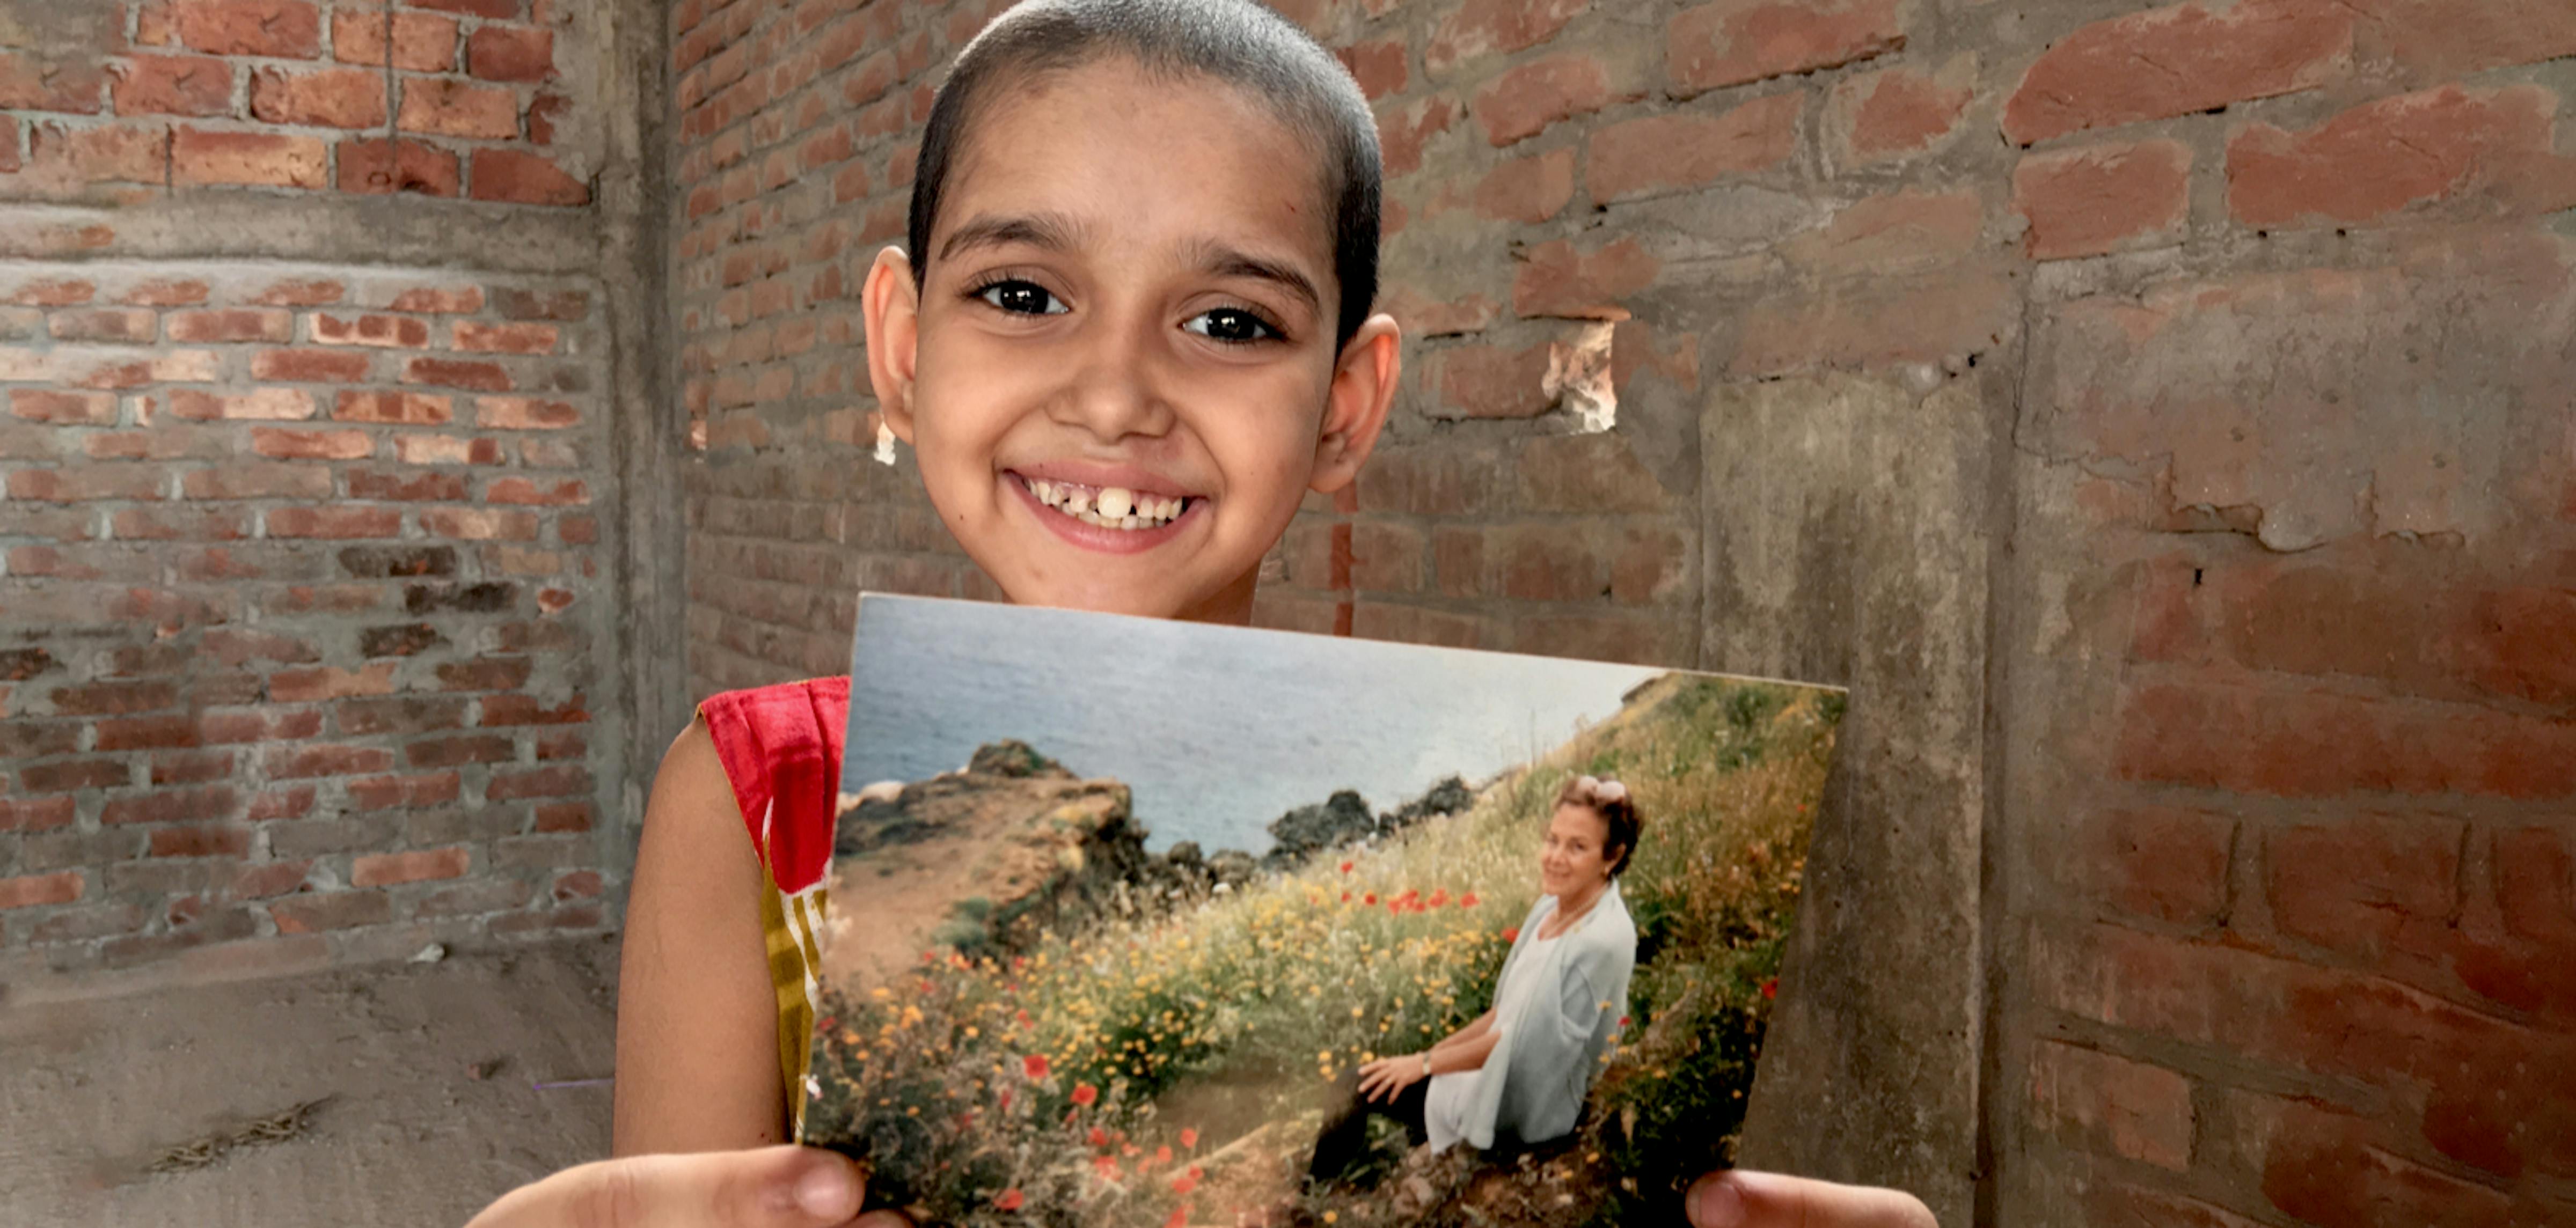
{"x":1119,"y":374}
{"x":1576,"y":856}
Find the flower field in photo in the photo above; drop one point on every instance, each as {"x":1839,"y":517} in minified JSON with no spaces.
{"x":1173,"y":1072}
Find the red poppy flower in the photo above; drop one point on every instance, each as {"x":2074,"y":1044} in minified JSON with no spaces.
{"x":1010,"y":1200}
{"x":1162,"y":1155}
{"x":1771,"y":988}
{"x":1023,"y":1018}
{"x":1623,"y":1021}
{"x":1513,"y":934}
{"x":1439,"y":897}
{"x":1180,"y":1219}
{"x":1370,"y":899}
{"x":1084,"y":1094}
{"x":1346,"y":897}
{"x":1468,"y":900}
{"x":1035,"y":1064}
{"x":827,"y":1023}
{"x":1098,"y":1138}
{"x":1346,"y":866}
{"x":1189,"y":1137}
{"x":1197,"y":1173}
{"x":1184,"y":1183}
{"x":1106,"y":1166}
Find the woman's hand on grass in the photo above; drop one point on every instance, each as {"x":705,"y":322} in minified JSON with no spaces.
{"x":769,"y":1187}
{"x":1390,"y":1075}
{"x":1769,"y":1200}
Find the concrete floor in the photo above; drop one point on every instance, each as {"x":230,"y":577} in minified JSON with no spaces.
{"x":94,"y":1092}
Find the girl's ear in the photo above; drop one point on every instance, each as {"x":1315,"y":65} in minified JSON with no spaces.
{"x":891,"y":305}
{"x":1355,"y":408}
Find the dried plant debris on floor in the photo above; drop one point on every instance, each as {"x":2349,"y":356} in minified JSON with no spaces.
{"x":275,"y":1128}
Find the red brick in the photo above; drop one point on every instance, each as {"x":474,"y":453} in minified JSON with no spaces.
{"x":2178,"y":60}
{"x":2351,"y":886}
{"x":191,"y":769}
{"x":232,"y":325}
{"x":165,"y":292}
{"x":447,"y":107}
{"x":328,"y":98}
{"x":480,"y":524}
{"x":457,"y":751}
{"x":2139,"y":1111}
{"x":525,"y":492}
{"x":2330,"y":1168}
{"x":1966,"y":311}
{"x":311,"y":445}
{"x":44,"y":814}
{"x":304,"y":762}
{"x":336,"y":523}
{"x":36,"y":890}
{"x":372,"y":330}
{"x":65,"y":292}
{"x":439,"y":300}
{"x":453,"y":373}
{"x":87,"y":483}
{"x":264,"y":405}
{"x":330,"y":910}
{"x":108,"y":154}
{"x":104,"y":324}
{"x":287,"y":29}
{"x":1547,"y":562}
{"x":446,"y":450}
{"x":174,"y":85}
{"x":63,"y":408}
{"x":1485,"y":27}
{"x":1667,"y":153}
{"x":407,"y":487}
{"x":252,"y":481}
{"x":400,"y":640}
{"x":2170,"y":865}
{"x":1732,"y":42}
{"x":388,"y":869}
{"x":265,"y":159}
{"x":68,"y":776}
{"x":2105,"y":198}
{"x":311,"y":366}
{"x":1490,"y":381}
{"x":1522,"y":102}
{"x":1556,"y":280}
{"x":509,"y":53}
{"x":209,"y":804}
{"x":423,"y":42}
{"x":216,"y":841}
{"x":382,"y":167}
{"x":538,"y":782}
{"x":496,"y":10}
{"x":393,"y":408}
{"x":2439,"y":40}
{"x":1401,"y":133}
{"x":2316,"y":744}
{"x":29,"y":83}
{"x":563,"y":816}
{"x":301,"y":293}
{"x":525,"y":178}
{"x":1380,"y":67}
{"x":2494,"y":150}
{"x":2535,"y":884}
{"x":295,"y":686}
{"x":404,"y":792}
{"x":558,"y":305}
{"x":578,"y":885}
{"x":11,"y":157}
{"x":2514,"y":642}
{"x":505,"y":338}
{"x":544,"y":114}
{"x":276,"y":878}
{"x":524,"y":414}
{"x":1896,"y":112}
{"x":406,"y":715}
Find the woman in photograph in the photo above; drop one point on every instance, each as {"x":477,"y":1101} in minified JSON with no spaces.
{"x":1521,"y":1070}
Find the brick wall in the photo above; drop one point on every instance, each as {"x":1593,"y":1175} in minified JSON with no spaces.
{"x":2159,"y":414}
{"x":308,"y":619}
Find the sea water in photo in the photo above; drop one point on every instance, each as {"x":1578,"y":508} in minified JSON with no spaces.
{"x":1036,"y":1012}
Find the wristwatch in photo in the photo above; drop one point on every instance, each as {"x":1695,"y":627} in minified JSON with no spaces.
{"x":1426,"y":1064}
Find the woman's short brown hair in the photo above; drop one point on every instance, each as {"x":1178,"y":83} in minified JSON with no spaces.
{"x":1617,"y":808}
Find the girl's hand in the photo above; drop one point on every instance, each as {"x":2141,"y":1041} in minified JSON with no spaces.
{"x":1769,"y":1200}
{"x":1390,"y":1075}
{"x":771,"y":1187}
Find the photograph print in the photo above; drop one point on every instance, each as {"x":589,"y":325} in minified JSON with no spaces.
{"x":1135,"y":922}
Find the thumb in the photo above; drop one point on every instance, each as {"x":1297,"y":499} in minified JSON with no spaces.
{"x":771,"y":1187}
{"x":1768,"y":1200}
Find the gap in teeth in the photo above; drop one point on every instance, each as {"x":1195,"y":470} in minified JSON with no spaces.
{"x":1110,"y":507}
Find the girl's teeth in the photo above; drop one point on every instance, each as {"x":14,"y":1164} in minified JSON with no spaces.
{"x":1115,"y":502}
{"x":1114,"y":507}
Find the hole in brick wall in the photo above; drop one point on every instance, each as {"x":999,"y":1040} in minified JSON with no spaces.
{"x":2195,"y":577}
{"x":1578,"y":378}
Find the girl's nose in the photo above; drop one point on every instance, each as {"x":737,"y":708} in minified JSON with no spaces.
{"x":1112,"y":391}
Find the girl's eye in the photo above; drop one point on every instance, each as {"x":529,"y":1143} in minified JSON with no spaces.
{"x":1232,"y":324}
{"x":1022,"y":298}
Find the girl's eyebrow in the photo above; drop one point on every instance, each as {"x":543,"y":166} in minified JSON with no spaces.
{"x":1055,"y":232}
{"x":1215,"y":257}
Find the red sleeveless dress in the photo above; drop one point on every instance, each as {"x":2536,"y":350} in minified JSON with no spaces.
{"x":781,"y":750}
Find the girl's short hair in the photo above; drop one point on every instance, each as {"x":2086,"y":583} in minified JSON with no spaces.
{"x":1238,"y":42}
{"x":1611,"y":800}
